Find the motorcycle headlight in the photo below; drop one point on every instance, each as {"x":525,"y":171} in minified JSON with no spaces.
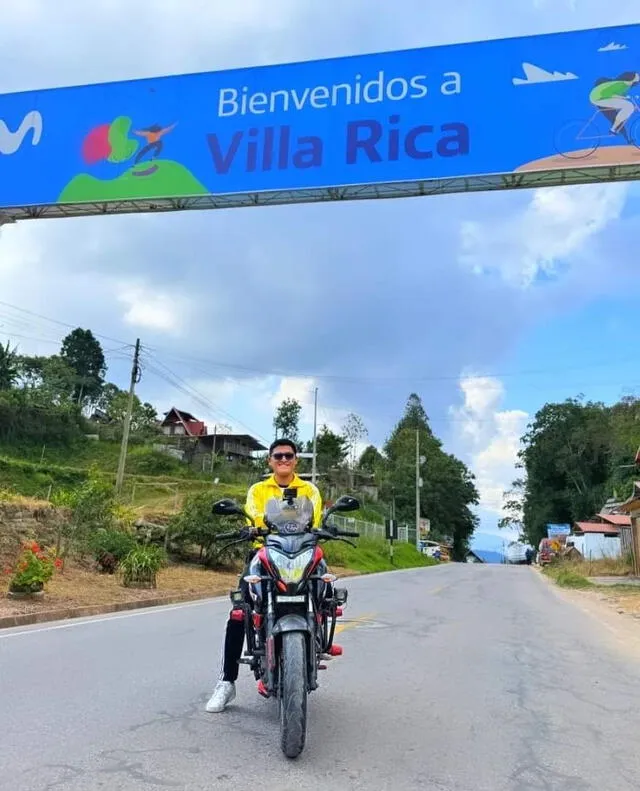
{"x":291,"y":569}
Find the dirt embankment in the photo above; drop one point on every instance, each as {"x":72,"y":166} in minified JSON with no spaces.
{"x":28,"y":519}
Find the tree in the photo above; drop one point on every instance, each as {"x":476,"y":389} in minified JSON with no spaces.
{"x":566,"y":457}
{"x":449,"y":489}
{"x":371,"y":460}
{"x":624,"y":419}
{"x":8,"y":367}
{"x":83,"y":353}
{"x":47,"y":380}
{"x":513,"y":507}
{"x":355,"y":431}
{"x":287,"y":418}
{"x":331,"y":449}
{"x":113,"y":402}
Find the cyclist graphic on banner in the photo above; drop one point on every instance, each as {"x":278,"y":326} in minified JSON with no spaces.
{"x":610,"y":96}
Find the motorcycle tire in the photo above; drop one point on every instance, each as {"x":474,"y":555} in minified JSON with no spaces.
{"x":293,"y":694}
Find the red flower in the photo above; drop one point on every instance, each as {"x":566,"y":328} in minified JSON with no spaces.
{"x":35,"y":547}
{"x":59,"y":563}
{"x":8,"y":571}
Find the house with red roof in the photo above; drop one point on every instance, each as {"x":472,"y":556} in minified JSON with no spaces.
{"x":602,"y":536}
{"x":178,"y":423}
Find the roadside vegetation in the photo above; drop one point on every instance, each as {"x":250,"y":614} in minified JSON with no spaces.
{"x":61,"y":424}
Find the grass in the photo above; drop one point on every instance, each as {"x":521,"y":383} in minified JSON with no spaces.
{"x":372,"y":556}
{"x":146,"y":493}
{"x":577,"y":574}
{"x":566,"y":575}
{"x":606,"y":567}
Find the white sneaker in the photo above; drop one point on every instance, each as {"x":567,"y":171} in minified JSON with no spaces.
{"x":223,"y":694}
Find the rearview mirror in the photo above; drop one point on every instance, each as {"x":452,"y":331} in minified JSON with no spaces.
{"x":346,"y":503}
{"x":226,"y":507}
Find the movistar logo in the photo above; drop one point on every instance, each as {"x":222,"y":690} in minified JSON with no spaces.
{"x":10,"y":141}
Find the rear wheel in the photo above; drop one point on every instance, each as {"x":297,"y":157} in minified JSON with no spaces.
{"x":293,"y":693}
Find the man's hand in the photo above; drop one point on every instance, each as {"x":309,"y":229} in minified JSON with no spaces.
{"x":332,"y":529}
{"x":248,"y":532}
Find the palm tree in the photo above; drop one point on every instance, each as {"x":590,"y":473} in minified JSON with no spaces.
{"x":8,"y":367}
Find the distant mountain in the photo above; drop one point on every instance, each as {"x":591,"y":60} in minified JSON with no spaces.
{"x":489,"y":556}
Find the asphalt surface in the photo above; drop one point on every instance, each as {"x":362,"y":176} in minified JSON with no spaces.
{"x":456,"y":678}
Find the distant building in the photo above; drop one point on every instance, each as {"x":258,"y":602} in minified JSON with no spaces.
{"x":230,"y":447}
{"x":177,"y":423}
{"x":596,"y":540}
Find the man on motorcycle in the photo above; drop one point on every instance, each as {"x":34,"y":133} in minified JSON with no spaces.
{"x":283,"y":460}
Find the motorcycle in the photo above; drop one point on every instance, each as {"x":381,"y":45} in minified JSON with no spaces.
{"x":293,"y":606}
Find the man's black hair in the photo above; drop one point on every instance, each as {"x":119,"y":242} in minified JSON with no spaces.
{"x":285,"y":443}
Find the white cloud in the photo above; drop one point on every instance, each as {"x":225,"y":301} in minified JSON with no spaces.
{"x":492,"y":436}
{"x":538,"y":240}
{"x":535,"y":75}
{"x":613,"y":47}
{"x":148,"y":309}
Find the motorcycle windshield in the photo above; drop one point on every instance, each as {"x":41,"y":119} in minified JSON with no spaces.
{"x":289,"y":517}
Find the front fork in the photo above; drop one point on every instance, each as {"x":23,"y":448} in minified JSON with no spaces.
{"x":261,"y":653}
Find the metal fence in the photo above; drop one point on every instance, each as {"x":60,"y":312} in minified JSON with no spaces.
{"x":406,"y":534}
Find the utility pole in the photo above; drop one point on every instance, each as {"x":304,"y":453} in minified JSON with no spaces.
{"x":213,"y":449}
{"x":135,"y":378}
{"x":418,"y":485}
{"x":314,"y":466}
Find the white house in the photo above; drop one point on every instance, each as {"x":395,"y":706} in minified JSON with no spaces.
{"x":596,"y":541}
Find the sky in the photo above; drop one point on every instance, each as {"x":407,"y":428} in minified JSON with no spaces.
{"x":487,"y":305}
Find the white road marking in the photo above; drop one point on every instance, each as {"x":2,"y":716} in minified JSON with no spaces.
{"x":71,"y":624}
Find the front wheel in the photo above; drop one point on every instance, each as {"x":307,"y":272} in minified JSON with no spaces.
{"x":570,"y":143}
{"x":293,"y":693}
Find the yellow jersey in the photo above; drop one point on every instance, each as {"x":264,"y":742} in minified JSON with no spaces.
{"x":263,"y":491}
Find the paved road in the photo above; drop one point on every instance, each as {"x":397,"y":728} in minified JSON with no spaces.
{"x":458,"y":678}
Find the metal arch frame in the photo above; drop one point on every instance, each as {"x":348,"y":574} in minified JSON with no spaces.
{"x":402,"y":189}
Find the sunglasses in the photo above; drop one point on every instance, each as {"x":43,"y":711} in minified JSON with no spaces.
{"x":283,"y":456}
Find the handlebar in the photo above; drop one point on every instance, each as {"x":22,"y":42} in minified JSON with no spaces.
{"x":262,"y":532}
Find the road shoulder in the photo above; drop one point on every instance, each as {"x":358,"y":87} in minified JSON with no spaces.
{"x":622,"y":627}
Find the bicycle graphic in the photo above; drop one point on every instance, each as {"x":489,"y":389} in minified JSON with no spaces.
{"x":591,"y":134}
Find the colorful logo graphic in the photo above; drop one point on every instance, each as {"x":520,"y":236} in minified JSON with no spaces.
{"x":147,"y":177}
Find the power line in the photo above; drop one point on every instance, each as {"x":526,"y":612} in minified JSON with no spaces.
{"x":181,"y":384}
{"x":408,"y":378}
{"x":59,"y":323}
{"x":608,"y":363}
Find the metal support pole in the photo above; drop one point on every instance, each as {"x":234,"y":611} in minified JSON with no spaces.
{"x":314,"y":465}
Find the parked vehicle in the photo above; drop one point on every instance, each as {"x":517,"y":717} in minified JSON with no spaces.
{"x":516,"y":553}
{"x":290,"y":622}
{"x":546,"y":551}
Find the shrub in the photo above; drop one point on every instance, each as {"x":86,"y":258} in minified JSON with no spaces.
{"x":109,"y":547}
{"x":147,"y":461}
{"x":140,"y":567}
{"x":92,"y":505}
{"x":33,"y":569}
{"x":195,"y":525}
